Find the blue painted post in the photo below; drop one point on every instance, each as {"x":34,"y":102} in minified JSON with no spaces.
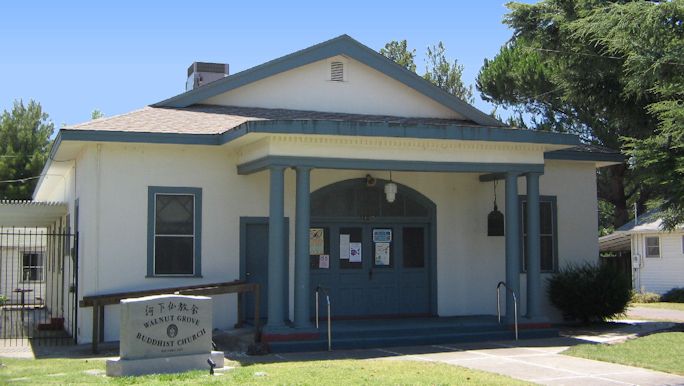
{"x":533,"y":246}
{"x":301,"y":290}
{"x":512,"y":242}
{"x":276,"y":246}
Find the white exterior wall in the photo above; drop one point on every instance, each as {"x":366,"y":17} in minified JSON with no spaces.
{"x":364,"y":91}
{"x":113,"y":222}
{"x":660,"y":274}
{"x":61,"y":179}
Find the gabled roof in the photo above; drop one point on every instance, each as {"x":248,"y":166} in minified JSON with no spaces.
{"x":341,"y":45}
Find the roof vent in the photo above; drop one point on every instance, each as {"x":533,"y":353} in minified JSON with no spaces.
{"x":201,"y":73}
{"x":337,"y":72}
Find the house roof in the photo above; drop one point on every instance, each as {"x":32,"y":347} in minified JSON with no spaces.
{"x":647,"y":222}
{"x":211,"y":119}
{"x":341,"y":45}
{"x":587,"y":152}
{"x":216,"y":125}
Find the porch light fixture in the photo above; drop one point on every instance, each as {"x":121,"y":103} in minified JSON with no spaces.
{"x":390,"y":190}
{"x":495,"y":219}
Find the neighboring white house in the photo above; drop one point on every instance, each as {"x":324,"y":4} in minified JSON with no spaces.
{"x":283,"y":174}
{"x":657,"y":255}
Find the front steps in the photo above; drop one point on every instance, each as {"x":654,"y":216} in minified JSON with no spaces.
{"x":411,"y":332}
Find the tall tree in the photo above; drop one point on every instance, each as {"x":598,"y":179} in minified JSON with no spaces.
{"x":24,"y":144}
{"x":567,"y":83}
{"x":438,"y":70}
{"x":648,"y":37}
{"x":446,"y":75}
{"x":399,"y":53}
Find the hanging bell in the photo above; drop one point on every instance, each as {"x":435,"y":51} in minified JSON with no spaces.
{"x":495,"y":222}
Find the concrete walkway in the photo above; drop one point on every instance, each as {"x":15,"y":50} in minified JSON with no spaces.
{"x":646,"y":313}
{"x":538,"y":361}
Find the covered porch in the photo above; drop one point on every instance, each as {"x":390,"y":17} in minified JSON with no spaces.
{"x":484,"y":162}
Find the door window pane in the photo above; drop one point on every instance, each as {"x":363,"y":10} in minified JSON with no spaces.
{"x":413,"y":247}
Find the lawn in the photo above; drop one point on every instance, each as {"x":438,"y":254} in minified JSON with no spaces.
{"x":662,"y":305}
{"x":334,"y":372}
{"x":663,"y":352}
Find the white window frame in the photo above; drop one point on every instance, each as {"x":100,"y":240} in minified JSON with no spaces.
{"x":39,"y":268}
{"x":196,"y":194}
{"x":646,"y":246}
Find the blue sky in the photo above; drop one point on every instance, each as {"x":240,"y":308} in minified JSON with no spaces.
{"x":76,"y":56}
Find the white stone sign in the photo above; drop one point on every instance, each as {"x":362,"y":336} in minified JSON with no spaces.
{"x":164,"y":333}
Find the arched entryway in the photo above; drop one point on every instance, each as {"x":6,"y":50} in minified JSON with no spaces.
{"x":377,"y":259}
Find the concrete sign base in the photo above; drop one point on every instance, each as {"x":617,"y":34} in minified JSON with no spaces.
{"x":174,"y":364}
{"x":164,"y":334}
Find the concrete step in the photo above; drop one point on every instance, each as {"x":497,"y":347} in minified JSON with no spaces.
{"x":362,"y":342}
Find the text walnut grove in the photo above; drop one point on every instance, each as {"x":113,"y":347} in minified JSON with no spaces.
{"x":166,"y":308}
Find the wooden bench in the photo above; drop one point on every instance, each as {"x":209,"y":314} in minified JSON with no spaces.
{"x":98,"y":302}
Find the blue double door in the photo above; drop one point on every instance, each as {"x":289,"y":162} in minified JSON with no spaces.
{"x":372,"y":269}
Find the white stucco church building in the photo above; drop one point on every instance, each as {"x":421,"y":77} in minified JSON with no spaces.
{"x":331,"y":166}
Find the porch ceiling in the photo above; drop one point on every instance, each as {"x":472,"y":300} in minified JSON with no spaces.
{"x":30,"y":213}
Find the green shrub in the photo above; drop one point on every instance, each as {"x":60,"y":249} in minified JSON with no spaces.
{"x":3,"y":300}
{"x":589,"y":292}
{"x":675,"y":295}
{"x":645,"y":297}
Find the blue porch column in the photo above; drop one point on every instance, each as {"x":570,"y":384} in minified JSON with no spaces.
{"x":512,"y":242}
{"x":276,"y":247}
{"x":301,"y":290}
{"x":532,"y":247}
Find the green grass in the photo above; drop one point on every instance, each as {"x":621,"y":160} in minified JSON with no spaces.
{"x":662,"y":305}
{"x":334,"y":372}
{"x":663,"y":352}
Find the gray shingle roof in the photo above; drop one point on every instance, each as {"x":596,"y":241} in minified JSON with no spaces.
{"x":208,"y":119}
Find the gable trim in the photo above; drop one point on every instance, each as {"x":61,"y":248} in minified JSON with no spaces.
{"x":341,"y":45}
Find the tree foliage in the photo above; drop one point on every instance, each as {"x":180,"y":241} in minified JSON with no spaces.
{"x":96,"y":114}
{"x":446,"y":75}
{"x":648,"y":37}
{"x":24,"y":143}
{"x":438,"y":69}
{"x":400,"y":54}
{"x":555,"y":70}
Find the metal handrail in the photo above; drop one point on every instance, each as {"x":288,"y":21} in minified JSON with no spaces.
{"x":515,"y":305}
{"x":327,"y":298}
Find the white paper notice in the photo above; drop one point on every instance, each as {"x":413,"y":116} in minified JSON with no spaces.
{"x":316,"y":241}
{"x":324,"y":261}
{"x":344,"y":247}
{"x":354,"y":252}
{"x":382,"y":253}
